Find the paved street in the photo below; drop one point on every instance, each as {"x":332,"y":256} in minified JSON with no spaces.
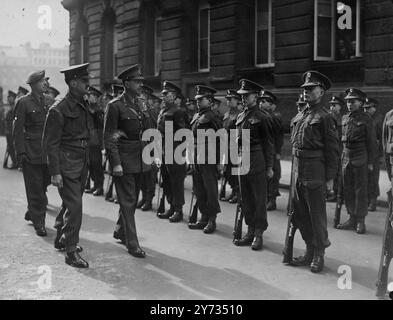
{"x":180,"y":263}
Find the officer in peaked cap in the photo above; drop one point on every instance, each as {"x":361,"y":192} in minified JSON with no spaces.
{"x":65,"y":140}
{"x":9,"y":117}
{"x":117,"y":90}
{"x":268,"y":102}
{"x":360,"y":151}
{"x":315,"y":151}
{"x":205,"y":172}
{"x":124,"y":126}
{"x":371,"y":107}
{"x":191,"y":108}
{"x":253,"y":184}
{"x":173,"y":174}
{"x":30,"y":114}
{"x":229,"y":123}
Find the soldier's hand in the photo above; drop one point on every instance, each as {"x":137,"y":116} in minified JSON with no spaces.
{"x":370,"y":167}
{"x":117,"y":171}
{"x":269,"y":172}
{"x":22,"y":158}
{"x":220,"y":169}
{"x":57,"y":181}
{"x":329,"y":185}
{"x":158,"y":162}
{"x":278,"y":156}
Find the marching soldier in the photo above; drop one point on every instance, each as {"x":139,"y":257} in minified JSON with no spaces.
{"x":229,"y":123}
{"x":173,"y":174}
{"x":337,"y":106}
{"x":124,"y":126}
{"x":9,"y":117}
{"x":65,"y":139}
{"x":253,"y":185}
{"x":28,"y":128}
{"x":96,"y":143}
{"x":371,"y":107}
{"x":315,"y":153}
{"x":359,"y":153}
{"x":268,"y":102}
{"x":205,"y":174}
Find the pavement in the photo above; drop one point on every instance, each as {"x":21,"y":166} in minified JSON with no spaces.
{"x":180,"y":263}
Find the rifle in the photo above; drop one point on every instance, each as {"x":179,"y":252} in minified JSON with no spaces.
{"x":237,"y":230}
{"x":291,"y":227}
{"x":340,"y":201}
{"x":5,"y":161}
{"x":387,"y":251}
{"x":193,"y":215}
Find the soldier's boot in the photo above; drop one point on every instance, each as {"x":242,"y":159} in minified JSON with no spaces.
{"x":137,"y":252}
{"x":247,"y":239}
{"x":140,"y":204}
{"x":200,"y":225}
{"x":271,"y":205}
{"x":222,"y":195}
{"x":90,"y":190}
{"x":318,"y":262}
{"x":167,"y":214}
{"x":350,"y":224}
{"x":61,"y":246}
{"x":177,"y":216}
{"x":304,"y":260}
{"x":75,"y":260}
{"x":147,"y":205}
{"x":373,"y":205}
{"x":119,"y":236}
{"x":98,"y":192}
{"x":230,"y":196}
{"x":233,"y":199}
{"x":211,"y":226}
{"x":40,"y":230}
{"x":257,"y":242}
{"x":361,"y":226}
{"x":27,"y":216}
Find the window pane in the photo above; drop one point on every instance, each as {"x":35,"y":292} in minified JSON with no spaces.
{"x":262,"y":47}
{"x":203,"y":55}
{"x":204,"y":23}
{"x":157,"y":48}
{"x":324,"y":37}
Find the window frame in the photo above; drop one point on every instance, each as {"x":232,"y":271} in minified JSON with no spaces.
{"x":270,"y":63}
{"x":157,"y":66}
{"x":204,"y":6}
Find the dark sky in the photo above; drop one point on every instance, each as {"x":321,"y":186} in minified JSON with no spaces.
{"x":19,"y":23}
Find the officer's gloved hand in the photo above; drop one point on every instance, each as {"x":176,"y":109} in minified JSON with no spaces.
{"x":22,"y":158}
{"x":57,"y":180}
{"x":117,"y":171}
{"x":329,"y":185}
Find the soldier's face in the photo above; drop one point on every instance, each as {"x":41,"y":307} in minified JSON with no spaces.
{"x":81,"y":86}
{"x":40,"y":86}
{"x":232,"y":103}
{"x":335,"y":108}
{"x":93,"y":98}
{"x":203,"y":103}
{"x":133,"y":85}
{"x":370,"y":110}
{"x":249,"y":99}
{"x":354,"y":104}
{"x":313,"y":94}
{"x":265,"y":104}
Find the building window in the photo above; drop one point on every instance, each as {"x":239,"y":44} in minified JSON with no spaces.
{"x":204,"y":38}
{"x":264,"y":33}
{"x":337,"y":30}
{"x":84,"y":48}
{"x":157,"y":46}
{"x":115,"y":50}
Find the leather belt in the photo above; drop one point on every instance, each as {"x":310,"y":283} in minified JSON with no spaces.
{"x":307,"y":153}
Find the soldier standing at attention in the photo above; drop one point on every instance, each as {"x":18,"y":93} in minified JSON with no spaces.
{"x":173,"y":174}
{"x":65,"y":139}
{"x":359,"y":153}
{"x":28,"y":128}
{"x":9,"y":117}
{"x":123,"y":129}
{"x":253,"y":185}
{"x":371,"y":107}
{"x":268,"y":102}
{"x":315,"y":153}
{"x":205,"y":174}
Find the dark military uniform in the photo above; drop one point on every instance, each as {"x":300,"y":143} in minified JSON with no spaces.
{"x":28,"y":128}
{"x":387,"y":142}
{"x":315,"y":153}
{"x":9,"y":117}
{"x":173,"y":174}
{"x":360,"y":150}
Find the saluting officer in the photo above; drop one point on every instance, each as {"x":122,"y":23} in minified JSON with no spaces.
{"x":28,"y":128}
{"x":65,"y":139}
{"x":359,"y":153}
{"x":9,"y":117}
{"x":268,"y":102}
{"x":253,"y":185}
{"x":124,"y":126}
{"x":371,"y":107}
{"x":315,"y":153}
{"x":173,"y":174}
{"x":205,"y":173}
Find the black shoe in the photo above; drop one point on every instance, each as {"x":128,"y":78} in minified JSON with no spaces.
{"x":301,"y":261}
{"x":137,"y":253}
{"x":247,"y":239}
{"x":40,"y":231}
{"x":350,"y":224}
{"x":210,"y":228}
{"x":317,"y":264}
{"x":200,"y":225}
{"x":233,"y":199}
{"x":60,"y":246}
{"x":91,"y":190}
{"x":176,"y":217}
{"x":111,"y":199}
{"x":271,"y":205}
{"x":257,"y":242}
{"x":140,"y":204}
{"x":27,"y":216}
{"x":119,"y":236}
{"x":361,"y":228}
{"x":75,"y":260}
{"x":167,"y":214}
{"x":373,"y":205}
{"x":147,"y":206}
{"x":98,"y":192}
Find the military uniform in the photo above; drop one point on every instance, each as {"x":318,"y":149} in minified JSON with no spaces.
{"x":65,"y":139}
{"x":173,"y":174}
{"x":253,"y":184}
{"x":124,"y":126}
{"x":387,"y":142}
{"x":360,"y":150}
{"x":9,"y":117}
{"x":315,"y":153}
{"x":205,"y":174}
{"x":28,"y":128}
